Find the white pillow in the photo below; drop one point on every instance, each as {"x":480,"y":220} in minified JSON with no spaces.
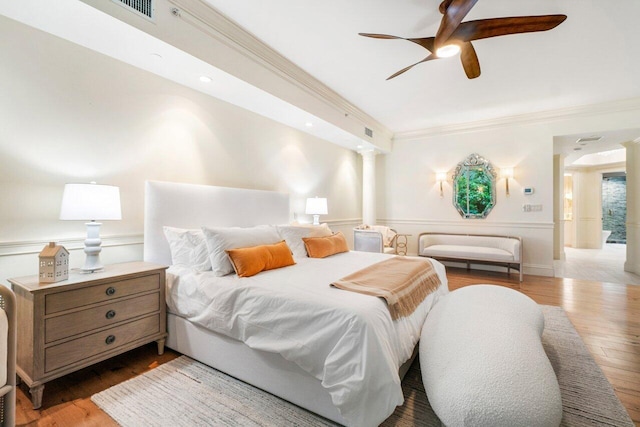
{"x":188,"y":248}
{"x":293,"y":235}
{"x":219,"y":239}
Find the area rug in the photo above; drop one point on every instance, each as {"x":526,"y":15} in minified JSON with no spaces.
{"x":184,"y":392}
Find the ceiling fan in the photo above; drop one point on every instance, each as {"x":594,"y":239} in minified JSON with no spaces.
{"x":455,"y":36}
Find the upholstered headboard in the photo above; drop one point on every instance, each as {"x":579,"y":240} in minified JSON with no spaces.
{"x":193,"y":206}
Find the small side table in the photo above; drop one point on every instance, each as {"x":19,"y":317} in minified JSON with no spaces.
{"x":401,"y":243}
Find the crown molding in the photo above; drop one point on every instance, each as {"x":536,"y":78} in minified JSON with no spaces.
{"x":522,"y":119}
{"x":203,"y":16}
{"x":605,"y":167}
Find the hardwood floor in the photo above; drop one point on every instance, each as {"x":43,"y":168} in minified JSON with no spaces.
{"x":607,"y":317}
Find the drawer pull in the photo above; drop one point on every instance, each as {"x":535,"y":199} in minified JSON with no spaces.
{"x":110,"y":314}
{"x":111,"y":290}
{"x":110,"y":339}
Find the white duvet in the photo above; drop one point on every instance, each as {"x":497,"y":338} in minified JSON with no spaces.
{"x":345,"y":339}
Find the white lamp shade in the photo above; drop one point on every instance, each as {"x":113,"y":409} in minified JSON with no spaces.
{"x":90,"y":202}
{"x":316,"y":206}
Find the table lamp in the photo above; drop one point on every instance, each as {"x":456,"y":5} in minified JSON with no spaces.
{"x":316,"y":206}
{"x":91,"y":202}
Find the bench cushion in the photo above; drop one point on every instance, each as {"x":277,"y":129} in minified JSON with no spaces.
{"x":469,"y":252}
{"x":483,"y":363}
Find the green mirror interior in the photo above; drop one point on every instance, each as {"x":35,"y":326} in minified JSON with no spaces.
{"x":474,"y":182}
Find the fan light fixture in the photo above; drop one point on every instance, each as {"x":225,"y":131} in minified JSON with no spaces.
{"x":455,"y":36}
{"x":448,"y":51}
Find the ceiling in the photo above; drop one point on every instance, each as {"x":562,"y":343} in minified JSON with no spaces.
{"x":593,"y":57}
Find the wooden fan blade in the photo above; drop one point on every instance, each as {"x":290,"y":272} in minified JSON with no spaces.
{"x":444,"y":6}
{"x":455,"y":12}
{"x":469,"y":60}
{"x":485,"y":28}
{"x":380,"y":36}
{"x":428,"y":58}
{"x":425,"y":42}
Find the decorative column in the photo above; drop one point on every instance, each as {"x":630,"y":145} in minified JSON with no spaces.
{"x":632,"y":263}
{"x":558,"y":207}
{"x":369,"y":187}
{"x":587,"y":209}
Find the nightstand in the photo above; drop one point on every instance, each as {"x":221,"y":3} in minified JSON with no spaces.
{"x":90,"y":317}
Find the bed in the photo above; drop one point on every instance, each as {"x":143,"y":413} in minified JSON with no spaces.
{"x":7,"y":356}
{"x":275,"y":365}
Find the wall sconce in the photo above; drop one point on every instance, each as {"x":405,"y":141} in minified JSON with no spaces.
{"x":440,"y":178}
{"x":316,"y":206}
{"x":506,"y":174}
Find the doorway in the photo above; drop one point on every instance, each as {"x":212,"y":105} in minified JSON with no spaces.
{"x":614,"y":207}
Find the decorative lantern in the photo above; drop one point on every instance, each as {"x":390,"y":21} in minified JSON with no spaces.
{"x":54,"y":263}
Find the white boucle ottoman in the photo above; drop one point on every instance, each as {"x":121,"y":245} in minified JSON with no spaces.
{"x":483,"y":363}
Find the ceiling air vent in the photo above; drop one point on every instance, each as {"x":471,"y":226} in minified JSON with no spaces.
{"x":368,"y":132}
{"x":140,"y":7}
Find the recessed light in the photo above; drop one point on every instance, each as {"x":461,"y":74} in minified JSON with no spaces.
{"x":577,"y":149}
{"x":308,"y":124}
{"x":360,"y":146}
{"x":205,"y":79}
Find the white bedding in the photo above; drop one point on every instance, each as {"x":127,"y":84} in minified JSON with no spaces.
{"x":347,"y":340}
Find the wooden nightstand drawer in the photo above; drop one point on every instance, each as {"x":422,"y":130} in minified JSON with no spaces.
{"x":70,"y":352}
{"x":60,"y":301}
{"x":67,"y":325}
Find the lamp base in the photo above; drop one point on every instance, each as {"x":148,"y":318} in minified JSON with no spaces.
{"x":92,"y":247}
{"x":316,"y":220}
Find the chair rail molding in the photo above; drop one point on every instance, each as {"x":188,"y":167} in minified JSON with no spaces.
{"x":473,"y":224}
{"x":35,"y":246}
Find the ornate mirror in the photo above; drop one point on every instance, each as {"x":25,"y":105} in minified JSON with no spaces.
{"x":474,"y":187}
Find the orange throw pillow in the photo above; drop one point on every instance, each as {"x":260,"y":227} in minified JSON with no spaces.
{"x":321,"y":247}
{"x":250,"y":261}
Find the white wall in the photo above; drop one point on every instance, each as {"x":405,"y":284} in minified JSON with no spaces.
{"x":71,"y":115}
{"x":411,"y":197}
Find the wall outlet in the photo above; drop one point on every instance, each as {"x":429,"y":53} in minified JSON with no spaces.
{"x":531,"y":208}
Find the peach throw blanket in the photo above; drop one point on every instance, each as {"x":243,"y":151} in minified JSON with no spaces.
{"x":403,"y":283}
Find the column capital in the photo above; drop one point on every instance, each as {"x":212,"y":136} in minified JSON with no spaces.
{"x":631,"y":144}
{"x":370,"y":152}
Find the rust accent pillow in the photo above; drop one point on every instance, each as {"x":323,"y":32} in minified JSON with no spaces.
{"x":322,"y":247}
{"x":248,"y":262}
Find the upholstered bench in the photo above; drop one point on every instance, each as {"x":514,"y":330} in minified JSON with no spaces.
{"x":483,"y":363}
{"x":473,"y":249}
